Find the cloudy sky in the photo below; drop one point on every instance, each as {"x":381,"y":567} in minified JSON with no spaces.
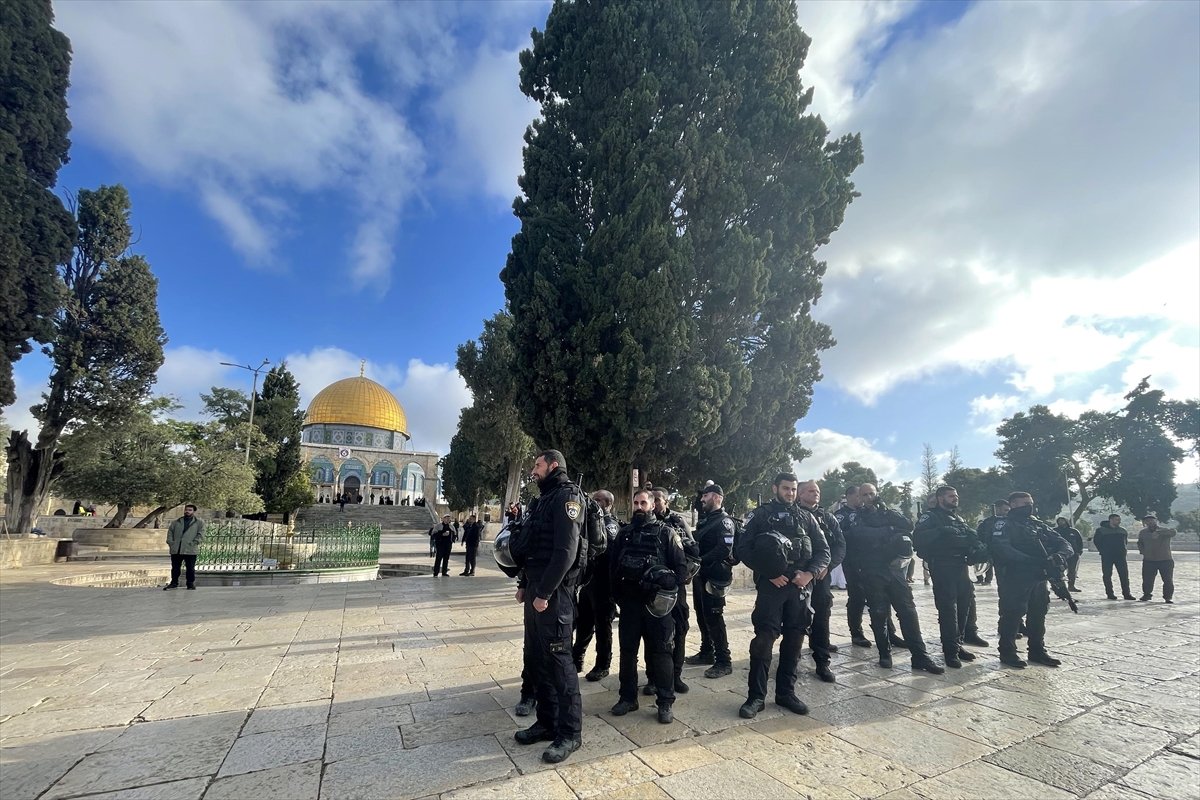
{"x":325,"y":182}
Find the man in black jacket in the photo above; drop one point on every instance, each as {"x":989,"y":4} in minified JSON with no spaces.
{"x":681,"y":612}
{"x":1062,"y":526}
{"x":547,"y":588}
{"x":714,"y":537}
{"x":878,"y":543}
{"x":442,"y":539}
{"x":596,"y":606}
{"x":646,"y":552}
{"x":948,"y":545}
{"x":784,"y":546}
{"x":1113,"y":541}
{"x":472,"y":533}
{"x":809,"y":499}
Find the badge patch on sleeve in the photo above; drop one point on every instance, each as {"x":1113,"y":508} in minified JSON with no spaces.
{"x":573,"y":510}
{"x":727,"y":524}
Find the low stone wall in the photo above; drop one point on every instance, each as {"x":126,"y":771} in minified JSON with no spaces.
{"x":65,"y":527}
{"x":27,"y":552}
{"x":150,"y":540}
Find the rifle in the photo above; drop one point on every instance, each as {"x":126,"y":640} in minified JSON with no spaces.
{"x":1054,"y":570}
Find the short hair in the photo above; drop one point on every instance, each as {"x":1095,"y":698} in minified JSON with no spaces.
{"x":784,"y":476}
{"x":1017,"y":495}
{"x":850,"y":491}
{"x":646,"y":492}
{"x":944,"y":490}
{"x":1061,"y":519}
{"x":1114,"y":516}
{"x":191,"y":506}
{"x":603,"y":496}
{"x":553,"y":455}
{"x":659,"y":494}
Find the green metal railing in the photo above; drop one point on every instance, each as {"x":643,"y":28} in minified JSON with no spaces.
{"x":237,"y":546}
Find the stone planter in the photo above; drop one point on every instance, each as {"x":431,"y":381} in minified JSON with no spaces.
{"x":288,"y":554}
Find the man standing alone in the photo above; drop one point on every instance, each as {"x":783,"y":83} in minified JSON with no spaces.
{"x":443,"y":541}
{"x":1112,"y":541}
{"x":183,"y":541}
{"x":472,"y":533}
{"x":1155,"y":546}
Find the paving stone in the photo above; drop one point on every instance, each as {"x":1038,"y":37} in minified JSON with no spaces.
{"x":1188,"y":747}
{"x":601,"y":776}
{"x":1038,"y":708}
{"x":921,"y":748}
{"x":1118,"y":744}
{"x":643,"y":729}
{"x":856,"y":710}
{"x":130,"y":767}
{"x":1181,"y":720}
{"x":291,"y":782}
{"x":599,"y":739}
{"x":546,"y":785}
{"x":278,"y":718}
{"x":1068,"y":771}
{"x":1166,"y":776}
{"x":33,"y":723}
{"x":1116,"y":791}
{"x":790,"y":728}
{"x":830,"y":768}
{"x":27,"y":778}
{"x":903,"y":695}
{"x":667,"y":759}
{"x":978,"y":723}
{"x":641,"y":791}
{"x":190,"y":789}
{"x":980,"y":779}
{"x":415,"y":773}
{"x":185,"y":701}
{"x":182,"y":731}
{"x":459,"y":726}
{"x":274,"y":749}
{"x":732,"y":780}
{"x":435,"y":710}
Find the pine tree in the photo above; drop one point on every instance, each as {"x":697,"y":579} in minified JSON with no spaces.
{"x":278,"y":416}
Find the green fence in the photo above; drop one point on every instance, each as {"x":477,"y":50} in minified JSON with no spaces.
{"x":238,"y":546}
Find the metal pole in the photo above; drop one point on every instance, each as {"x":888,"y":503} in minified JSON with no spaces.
{"x":253,"y":395}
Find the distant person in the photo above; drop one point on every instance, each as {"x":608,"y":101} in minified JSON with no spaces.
{"x":1154,"y":543}
{"x":985,"y":572}
{"x":472,"y":534}
{"x":443,"y":541}
{"x":77,"y":509}
{"x":183,"y":542}
{"x":1074,"y":538}
{"x":1113,"y":541}
{"x":343,"y":498}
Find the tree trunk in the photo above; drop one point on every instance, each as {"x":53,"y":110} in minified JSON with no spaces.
{"x":142,"y":522}
{"x":512,"y":487}
{"x":31,"y":471}
{"x":119,"y":517}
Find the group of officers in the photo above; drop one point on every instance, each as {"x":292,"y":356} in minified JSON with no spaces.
{"x":791,"y":544}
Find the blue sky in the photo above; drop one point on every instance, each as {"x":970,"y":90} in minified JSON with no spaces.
{"x":328,"y":182}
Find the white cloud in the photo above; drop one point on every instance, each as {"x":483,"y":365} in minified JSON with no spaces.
{"x":831,"y":449}
{"x":1011,"y":213}
{"x":189,"y":371}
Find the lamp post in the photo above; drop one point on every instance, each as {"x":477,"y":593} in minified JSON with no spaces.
{"x":253,"y":394}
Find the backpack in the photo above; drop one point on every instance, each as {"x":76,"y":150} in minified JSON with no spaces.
{"x":593,"y":539}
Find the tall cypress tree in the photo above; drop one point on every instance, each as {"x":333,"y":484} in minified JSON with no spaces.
{"x":277,"y":414}
{"x":674,"y":194}
{"x":36,"y":231}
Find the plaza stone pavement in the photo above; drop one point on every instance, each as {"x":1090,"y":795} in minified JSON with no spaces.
{"x":404,"y":688}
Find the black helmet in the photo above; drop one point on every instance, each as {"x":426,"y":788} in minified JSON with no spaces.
{"x":693,"y":566}
{"x":771,"y":553}
{"x":503,"y":554}
{"x":718,"y":587}
{"x":661,"y":577}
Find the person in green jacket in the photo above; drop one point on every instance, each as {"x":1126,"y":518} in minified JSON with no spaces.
{"x":1154,"y":542}
{"x":183,"y":540}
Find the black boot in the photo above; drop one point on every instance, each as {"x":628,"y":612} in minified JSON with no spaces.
{"x":926,"y":664}
{"x":885,"y":658}
{"x":750,"y":708}
{"x":718,"y":671}
{"x":703,"y":657}
{"x":858,"y":640}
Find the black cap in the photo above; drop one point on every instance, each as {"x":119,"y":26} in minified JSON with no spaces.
{"x":713,"y":487}
{"x":1151,"y":515}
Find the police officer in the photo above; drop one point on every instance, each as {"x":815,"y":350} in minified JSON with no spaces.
{"x":1073,"y":537}
{"x":948,"y":545}
{"x":547,"y":587}
{"x":1021,"y":546}
{"x":714,"y":537}
{"x":856,"y":593}
{"x":878,"y":542}
{"x":664,"y":514}
{"x":596,"y":606}
{"x":809,"y":498}
{"x":647,"y":568}
{"x":984,"y":533}
{"x":784,"y":546}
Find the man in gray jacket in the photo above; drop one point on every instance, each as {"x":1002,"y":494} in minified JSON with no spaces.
{"x":183,"y":540}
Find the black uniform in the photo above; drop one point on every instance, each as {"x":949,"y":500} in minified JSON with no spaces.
{"x":472,"y":533}
{"x":1020,"y":545}
{"x":596,"y":607}
{"x":818,"y":638}
{"x":442,"y":539}
{"x":856,"y":593}
{"x":637,"y":549}
{"x":781,"y":610}
{"x":681,"y":611}
{"x":1075,"y":539}
{"x":878,"y":544}
{"x":550,"y":572}
{"x":714,"y":537}
{"x":1113,"y":541}
{"x":948,"y":546}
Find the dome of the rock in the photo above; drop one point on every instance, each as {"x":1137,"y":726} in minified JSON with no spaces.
{"x":357,"y":401}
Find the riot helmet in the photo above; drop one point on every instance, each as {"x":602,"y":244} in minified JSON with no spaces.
{"x":718,"y":587}
{"x":693,"y":566}
{"x":772,"y":552}
{"x":501,"y":550}
{"x":661,"y":577}
{"x":662,"y":602}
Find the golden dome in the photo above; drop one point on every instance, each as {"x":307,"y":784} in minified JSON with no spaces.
{"x":357,"y":401}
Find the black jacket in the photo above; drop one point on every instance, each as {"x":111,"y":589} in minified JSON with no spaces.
{"x":472,"y":533}
{"x":556,"y":520}
{"x":1072,"y":537}
{"x":671,"y":552}
{"x":1022,"y":544}
{"x":794,"y":523}
{"x":1110,"y":540}
{"x":833,"y":535}
{"x":714,"y":537}
{"x":941,"y":536}
{"x":875,"y":537}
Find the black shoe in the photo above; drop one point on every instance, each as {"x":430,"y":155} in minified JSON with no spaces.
{"x":193,"y":588}
{"x":885,"y":660}
{"x":702,"y":657}
{"x":927,"y":664}
{"x":526,"y":706}
{"x":445,"y":574}
{"x":649,"y":690}
{"x":1141,"y":599}
{"x":1045,"y":659}
{"x":559,"y":751}
{"x":1172,"y":602}
{"x":1012,"y":660}
{"x":537,"y":732}
{"x":578,"y":667}
{"x":792,"y":703}
{"x":1112,"y":597}
{"x":463,"y":574}
{"x":750,"y":709}
{"x":718,"y":671}
{"x":597,"y":673}
{"x":1074,"y":589}
{"x":665,"y":716}
{"x":858,"y":640}
{"x":966,"y":655}
{"x":975,"y":641}
{"x":170,"y":586}
{"x":623,"y":707}
{"x":825,"y":673}
{"x":680,"y":686}
{"x":896,"y":641}
{"x":951,"y":661}
{"x":833,"y":648}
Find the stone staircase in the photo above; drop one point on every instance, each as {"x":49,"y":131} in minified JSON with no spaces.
{"x":390,"y":519}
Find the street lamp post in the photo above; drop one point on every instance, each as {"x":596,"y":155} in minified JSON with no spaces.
{"x":253,"y":394}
